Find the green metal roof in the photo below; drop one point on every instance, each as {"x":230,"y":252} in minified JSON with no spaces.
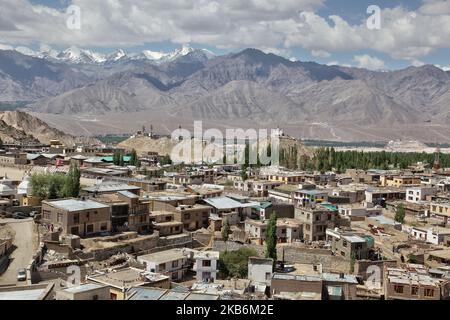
{"x":110,"y":158}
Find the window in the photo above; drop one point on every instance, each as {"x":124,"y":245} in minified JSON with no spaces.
{"x":113,"y":296}
{"x":429,"y":293}
{"x":206,"y":263}
{"x":414,"y":291}
{"x":344,"y":243}
{"x":268,"y":275}
{"x":175,"y":264}
{"x":60,"y":217}
{"x":76,"y":218}
{"x":90,"y":228}
{"x":162,"y":267}
{"x":186,"y":216}
{"x":104,"y":226}
{"x":95,"y":297}
{"x":398,"y":289}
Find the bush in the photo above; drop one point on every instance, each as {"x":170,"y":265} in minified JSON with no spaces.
{"x":235,"y":263}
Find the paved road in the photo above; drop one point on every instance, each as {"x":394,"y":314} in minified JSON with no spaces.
{"x":26,"y":243}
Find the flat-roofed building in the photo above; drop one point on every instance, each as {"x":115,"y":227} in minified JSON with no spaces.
{"x":120,"y":281}
{"x":77,"y":216}
{"x":419,"y":194}
{"x":173,"y":263}
{"x":404,"y":284}
{"x":206,"y":265}
{"x":309,"y":197}
{"x":376,"y":195}
{"x":193,"y":217}
{"x":440,"y":210}
{"x":350,"y":244}
{"x":87,"y":291}
{"x":288,"y":230}
{"x":316,"y":221}
{"x":164,"y":222}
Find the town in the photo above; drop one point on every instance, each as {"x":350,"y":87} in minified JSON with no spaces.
{"x":103,"y":222}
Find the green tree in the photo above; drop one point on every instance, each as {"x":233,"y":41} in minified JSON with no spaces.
{"x":165,"y":160}
{"x":48,"y":186}
{"x":72,"y":181}
{"x":225,"y":230}
{"x":235,"y":263}
{"x":134,"y":158}
{"x":271,"y":238}
{"x":400,"y":213}
{"x":52,"y":190}
{"x":116,"y":158}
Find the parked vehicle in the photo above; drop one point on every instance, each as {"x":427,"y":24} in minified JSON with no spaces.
{"x":22,"y":275}
{"x":20,"y":215}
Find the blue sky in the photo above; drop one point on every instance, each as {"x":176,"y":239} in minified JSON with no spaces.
{"x":413,"y":32}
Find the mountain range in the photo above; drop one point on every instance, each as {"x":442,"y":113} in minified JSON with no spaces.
{"x":82,"y":92}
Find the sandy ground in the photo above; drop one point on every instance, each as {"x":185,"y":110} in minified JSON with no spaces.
{"x":25,"y":241}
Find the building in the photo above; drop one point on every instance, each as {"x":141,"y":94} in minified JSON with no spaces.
{"x":128,"y":211}
{"x":193,"y":217}
{"x":258,"y":188}
{"x":206,"y":265}
{"x":419,"y":194}
{"x":399,"y":181}
{"x":260,"y":270}
{"x":111,"y":187}
{"x":440,"y":210}
{"x":316,"y":221}
{"x":404,"y":284}
{"x":349,"y":244}
{"x":288,"y":230}
{"x":80,"y":217}
{"x":286,"y":178}
{"x":120,"y":281}
{"x":357,"y":212}
{"x":164,"y":222}
{"x":381,"y":195}
{"x":296,"y":287}
{"x":9,"y":159}
{"x":314,"y":286}
{"x":173,"y":263}
{"x":435,"y":235}
{"x":283,"y":193}
{"x":310,"y":197}
{"x":88,"y":291}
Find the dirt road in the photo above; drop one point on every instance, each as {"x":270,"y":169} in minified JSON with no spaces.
{"x":25,"y":241}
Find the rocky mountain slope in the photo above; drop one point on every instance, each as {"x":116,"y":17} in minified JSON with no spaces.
{"x":16,"y":126}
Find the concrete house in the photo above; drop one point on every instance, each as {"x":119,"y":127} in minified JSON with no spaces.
{"x":80,"y":217}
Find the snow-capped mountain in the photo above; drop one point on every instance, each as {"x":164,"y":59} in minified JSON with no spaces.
{"x":75,"y":55}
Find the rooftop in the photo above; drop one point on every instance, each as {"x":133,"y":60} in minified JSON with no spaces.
{"x":77,"y":205}
{"x":164,"y":256}
{"x":110,"y":187}
{"x":223,"y":203}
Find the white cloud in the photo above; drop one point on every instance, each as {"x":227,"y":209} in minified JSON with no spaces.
{"x":320,"y":54}
{"x":275,"y":26}
{"x":368,"y":62}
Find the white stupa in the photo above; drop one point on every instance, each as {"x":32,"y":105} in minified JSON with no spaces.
{"x":24,"y":187}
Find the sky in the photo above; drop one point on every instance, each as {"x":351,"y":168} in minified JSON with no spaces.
{"x":409,"y":32}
